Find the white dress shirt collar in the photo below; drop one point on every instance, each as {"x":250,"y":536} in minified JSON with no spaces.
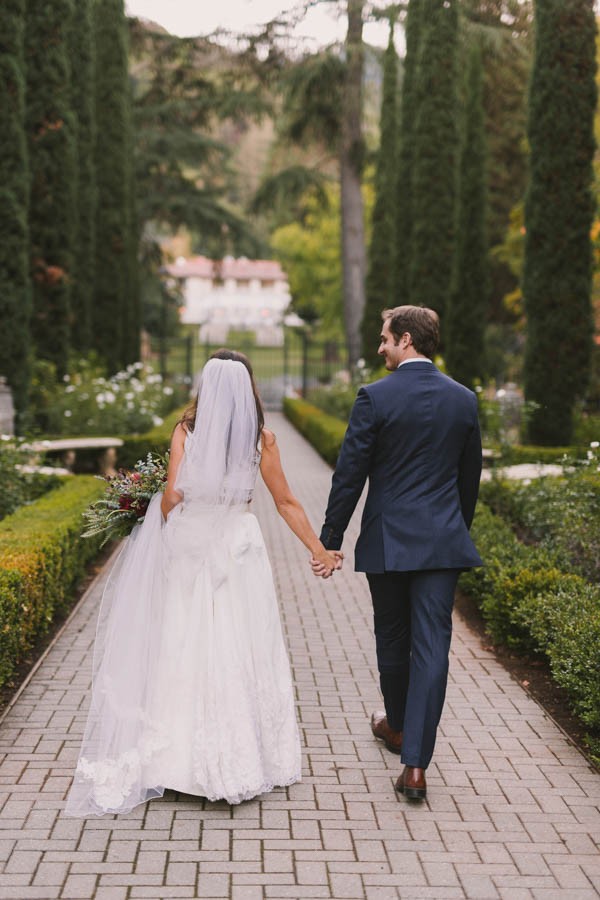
{"x":414,"y":359}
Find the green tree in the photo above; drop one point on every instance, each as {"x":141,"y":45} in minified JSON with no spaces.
{"x":435,"y":157}
{"x":132,"y":322}
{"x":466,"y":312}
{"x":82,"y":51}
{"x":351,"y":166}
{"x":182,"y":173}
{"x":323,"y":103}
{"x":112,"y":158}
{"x":408,"y":111}
{"x":15,"y":289}
{"x":503,"y":29}
{"x":310,"y":254}
{"x":558,"y":216}
{"x":380,"y":287}
{"x":52,"y":158}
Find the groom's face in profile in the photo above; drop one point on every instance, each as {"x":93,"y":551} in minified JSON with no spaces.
{"x":390,"y":348}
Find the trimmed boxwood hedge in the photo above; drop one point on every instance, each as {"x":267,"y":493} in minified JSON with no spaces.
{"x":532,"y":604}
{"x":323,"y":431}
{"x":42,"y":557}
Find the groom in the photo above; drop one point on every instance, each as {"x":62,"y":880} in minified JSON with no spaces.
{"x":415,"y":436}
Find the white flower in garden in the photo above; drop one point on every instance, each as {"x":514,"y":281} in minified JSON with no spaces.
{"x":594,"y":445}
{"x":69,"y":389}
{"x":129,"y":405}
{"x":6,"y":437}
{"x":100,"y":398}
{"x":156,"y":420}
{"x":478,"y":388}
{"x":129,"y":395}
{"x":110,"y":397}
{"x":66,"y":377}
{"x":168,"y":390}
{"x":68,"y":413}
{"x":360,"y":364}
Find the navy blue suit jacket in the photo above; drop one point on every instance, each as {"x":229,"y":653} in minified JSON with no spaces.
{"x":415,"y":435}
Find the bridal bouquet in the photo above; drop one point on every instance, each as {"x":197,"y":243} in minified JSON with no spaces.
{"x":126,"y":499}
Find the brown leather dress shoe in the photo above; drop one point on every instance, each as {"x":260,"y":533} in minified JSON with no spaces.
{"x":380,"y":728}
{"x":412,"y":783}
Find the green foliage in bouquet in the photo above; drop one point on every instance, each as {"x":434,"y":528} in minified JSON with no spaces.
{"x":126,"y":499}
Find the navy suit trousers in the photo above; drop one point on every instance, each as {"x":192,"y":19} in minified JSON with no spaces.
{"x":413,"y":629}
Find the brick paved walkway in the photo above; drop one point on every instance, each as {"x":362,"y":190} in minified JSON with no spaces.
{"x":513,"y":808}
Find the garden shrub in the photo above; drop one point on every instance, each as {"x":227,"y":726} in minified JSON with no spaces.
{"x":531,"y":603}
{"x":87,"y":402}
{"x":323,"y":431}
{"x":574,"y":656}
{"x":558,"y":513}
{"x":17,"y":487}
{"x":42,"y":556}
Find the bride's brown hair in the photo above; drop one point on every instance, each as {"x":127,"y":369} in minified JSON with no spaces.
{"x":188,"y":419}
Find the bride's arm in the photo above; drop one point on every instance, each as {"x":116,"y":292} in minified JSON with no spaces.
{"x":289,"y":507}
{"x":171,"y":497}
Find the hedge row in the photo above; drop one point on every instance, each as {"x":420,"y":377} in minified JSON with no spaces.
{"x":323,"y":431}
{"x":516,"y":454}
{"x":42,"y":557}
{"x":530,"y":603}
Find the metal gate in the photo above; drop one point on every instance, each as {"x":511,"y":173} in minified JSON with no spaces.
{"x":301,"y":363}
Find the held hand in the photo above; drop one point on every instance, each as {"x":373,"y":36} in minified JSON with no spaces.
{"x":326,"y":562}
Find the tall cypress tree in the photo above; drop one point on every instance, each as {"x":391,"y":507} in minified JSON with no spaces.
{"x":81,"y":45}
{"x":435,"y":146}
{"x":132,"y":307}
{"x":408,"y":111}
{"x":15,"y":289}
{"x":380,"y":277}
{"x":558,"y":216}
{"x":466,"y":311}
{"x":113,"y":112}
{"x":52,"y":209}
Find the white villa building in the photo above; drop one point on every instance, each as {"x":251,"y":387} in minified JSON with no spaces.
{"x":246,"y":294}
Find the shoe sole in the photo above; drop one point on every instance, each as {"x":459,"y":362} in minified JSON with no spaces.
{"x":412,"y":793}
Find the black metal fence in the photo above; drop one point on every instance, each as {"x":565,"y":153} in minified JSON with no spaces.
{"x":299,"y":364}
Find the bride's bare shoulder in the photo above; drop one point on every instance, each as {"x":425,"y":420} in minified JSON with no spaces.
{"x":268,"y":439}
{"x":179,"y":434}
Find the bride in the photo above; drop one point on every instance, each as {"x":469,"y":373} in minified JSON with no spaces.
{"x":191,"y":683}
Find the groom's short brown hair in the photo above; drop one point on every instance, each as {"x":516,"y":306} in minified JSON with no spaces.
{"x":421,"y":323}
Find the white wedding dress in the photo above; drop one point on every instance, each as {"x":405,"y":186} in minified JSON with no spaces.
{"x":192,"y":687}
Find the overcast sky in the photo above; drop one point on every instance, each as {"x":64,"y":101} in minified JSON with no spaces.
{"x":189,"y":18}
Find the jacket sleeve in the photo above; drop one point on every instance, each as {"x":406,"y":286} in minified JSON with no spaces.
{"x":469,"y":473}
{"x":351,"y":470}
